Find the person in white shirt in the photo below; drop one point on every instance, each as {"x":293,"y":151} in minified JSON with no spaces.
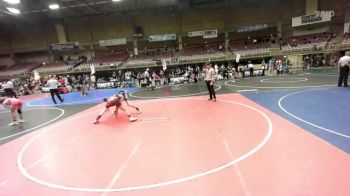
{"x":8,"y":88}
{"x":53,"y":84}
{"x":216,"y":68}
{"x":344,"y":63}
{"x":251,"y":68}
{"x":147,"y":77}
{"x":209,"y":80}
{"x":279,"y":67}
{"x":232,"y":74}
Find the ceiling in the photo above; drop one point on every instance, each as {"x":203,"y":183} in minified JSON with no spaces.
{"x":77,"y":8}
{"x":37,"y":11}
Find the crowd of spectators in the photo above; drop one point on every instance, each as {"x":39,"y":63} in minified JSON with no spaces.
{"x":158,"y":76}
{"x":74,"y":82}
{"x":22,"y":87}
{"x":30,"y":86}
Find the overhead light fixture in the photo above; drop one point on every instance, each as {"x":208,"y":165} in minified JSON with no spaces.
{"x":116,"y":0}
{"x":12,"y":1}
{"x":13,"y":10}
{"x":54,"y":6}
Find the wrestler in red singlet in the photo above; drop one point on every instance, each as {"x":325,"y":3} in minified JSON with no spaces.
{"x":13,"y":104}
{"x":116,"y":101}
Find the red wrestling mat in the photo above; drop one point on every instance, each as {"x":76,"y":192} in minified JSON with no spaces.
{"x":186,"y":146}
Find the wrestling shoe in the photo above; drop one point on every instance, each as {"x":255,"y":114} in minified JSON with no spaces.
{"x":13,"y":123}
{"x":133,"y":119}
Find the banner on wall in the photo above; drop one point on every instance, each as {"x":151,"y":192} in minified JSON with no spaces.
{"x":210,"y":34}
{"x":318,"y":17}
{"x":195,"y":34}
{"x":113,"y":42}
{"x":253,"y":28}
{"x":159,"y":38}
{"x":64,"y":47}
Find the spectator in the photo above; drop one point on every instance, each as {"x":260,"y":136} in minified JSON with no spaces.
{"x":344,"y":63}
{"x":156,"y":79}
{"x":251,"y":68}
{"x":53,"y":85}
{"x":210,"y":79}
{"x":9,"y":89}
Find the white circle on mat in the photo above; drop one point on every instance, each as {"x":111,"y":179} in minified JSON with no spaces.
{"x":283,"y":80}
{"x":175,"y":96}
{"x":25,"y":173}
{"x":36,"y":127}
{"x":276,"y":87}
{"x":280,"y":105}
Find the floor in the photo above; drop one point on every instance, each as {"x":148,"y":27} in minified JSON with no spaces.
{"x":280,"y":135}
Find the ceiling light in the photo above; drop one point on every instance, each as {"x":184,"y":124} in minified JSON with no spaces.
{"x":13,"y":10}
{"x":116,"y":0}
{"x":54,"y":6}
{"x":12,"y":1}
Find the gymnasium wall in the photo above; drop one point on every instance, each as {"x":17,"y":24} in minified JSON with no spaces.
{"x":78,"y":30}
{"x":92,"y":29}
{"x":256,"y":34}
{"x":109,"y":27}
{"x":85,"y":30}
{"x":26,"y":38}
{"x":339,"y":6}
{"x":202,"y":21}
{"x":6,"y":60}
{"x":155,"y":45}
{"x":121,"y":26}
{"x":156,"y":24}
{"x":31,"y":57}
{"x":4,"y":42}
{"x":311,"y":6}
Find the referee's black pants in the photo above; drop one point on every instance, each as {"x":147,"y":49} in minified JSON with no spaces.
{"x":211,"y":90}
{"x":54,"y":92}
{"x":343,"y":76}
{"x":10,"y":93}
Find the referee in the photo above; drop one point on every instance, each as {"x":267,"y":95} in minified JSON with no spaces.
{"x":53,"y":84}
{"x":343,"y":64}
{"x":209,"y":80}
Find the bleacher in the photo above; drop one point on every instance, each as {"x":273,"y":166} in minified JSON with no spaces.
{"x":345,"y":42}
{"x":305,"y":42}
{"x":54,"y":67}
{"x":250,"y":49}
{"x":188,"y":54}
{"x":193,"y":53}
{"x":18,"y":69}
{"x":149,"y":57}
